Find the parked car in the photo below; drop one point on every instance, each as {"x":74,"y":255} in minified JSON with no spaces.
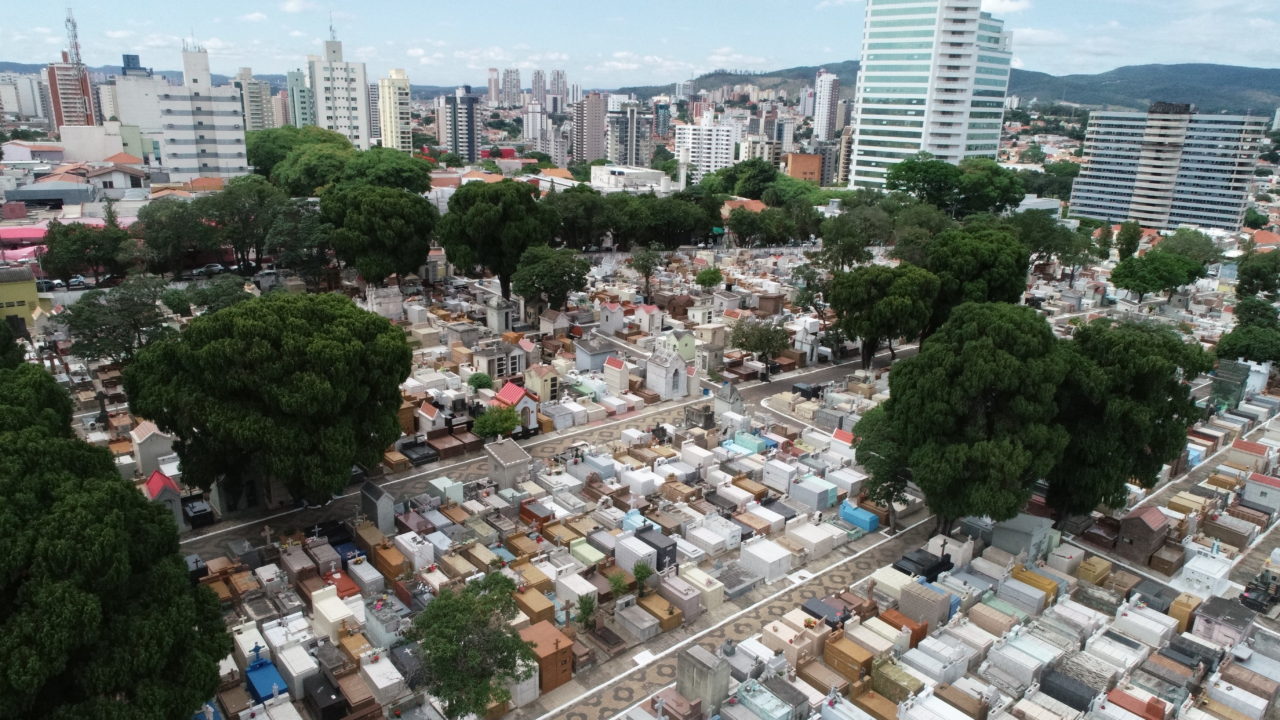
{"x":76,"y":282}
{"x":47,"y":285}
{"x":109,"y":281}
{"x":208,"y":270}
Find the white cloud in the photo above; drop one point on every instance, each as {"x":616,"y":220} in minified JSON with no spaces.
{"x":254,"y":17}
{"x":415,"y":52}
{"x":1016,"y":62}
{"x":297,"y":33}
{"x":295,"y":6}
{"x":1004,"y":7}
{"x":729,"y":58}
{"x":1037,"y":37}
{"x":118,"y":34}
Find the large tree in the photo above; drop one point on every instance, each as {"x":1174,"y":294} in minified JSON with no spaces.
{"x":646,"y":261}
{"x":847,"y":236}
{"x":293,"y":387}
{"x":1156,"y":271}
{"x":490,"y":225}
{"x":1193,"y":245}
{"x":985,"y":187}
{"x":308,"y":170}
{"x":549,"y":276}
{"x":766,"y":339}
{"x":31,"y":398}
{"x":385,"y":167}
{"x":73,"y":248}
{"x":12,"y":353}
{"x":470,"y":650}
{"x":98,"y":615}
{"x":300,"y":240}
{"x":1256,"y":335}
{"x":242,"y":215}
{"x":380,"y":230}
{"x":1258,"y":274}
{"x":267,"y":148}
{"x":172,"y":232}
{"x":975,"y":266}
{"x":1128,"y":238}
{"x":877,"y":303}
{"x":976,"y":410}
{"x":930,"y":180}
{"x":114,"y":324}
{"x":885,"y":460}
{"x":580,"y":211}
{"x":746,"y":225}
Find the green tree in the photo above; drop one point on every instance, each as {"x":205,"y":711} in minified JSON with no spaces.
{"x":975,"y":410}
{"x":975,"y":266}
{"x":496,"y":422}
{"x":114,"y":324}
{"x":380,"y":230}
{"x":642,"y":572}
{"x":267,"y":148}
{"x":586,"y":611}
{"x":1258,"y":274}
{"x":708,"y":278}
{"x":172,"y":232}
{"x":385,"y":167}
{"x":765,"y":339}
{"x":31,"y":398}
{"x":480,"y":381}
{"x":930,"y":180}
{"x":470,"y":651}
{"x":618,"y":584}
{"x":1254,"y":219}
{"x":1033,"y":155}
{"x":452,"y":160}
{"x":12,"y":354}
{"x":777,"y":227}
{"x":300,"y":240}
{"x":985,"y":187}
{"x":549,"y":275}
{"x":177,"y":300}
{"x":1126,"y":407}
{"x":846,"y":237}
{"x":885,"y":461}
{"x":1192,"y":244}
{"x":66,"y":249}
{"x":1106,"y":236}
{"x":215,"y":294}
{"x":1253,"y":343}
{"x":748,"y":179}
{"x":490,"y":225}
{"x":1156,"y":271}
{"x":242,"y":215}
{"x":915,"y":226}
{"x":308,"y":170}
{"x":809,"y":284}
{"x":876,"y":303}
{"x":746,"y":225}
{"x":293,"y":387}
{"x":1128,"y":238}
{"x":580,"y":211}
{"x":646,"y":261}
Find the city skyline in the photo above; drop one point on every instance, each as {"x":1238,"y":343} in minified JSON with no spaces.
{"x":615,"y":50}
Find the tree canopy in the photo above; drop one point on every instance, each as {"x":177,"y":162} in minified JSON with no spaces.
{"x":708,"y":278}
{"x":766,"y":339}
{"x":293,"y":387}
{"x":549,"y":275}
{"x":381,"y":231}
{"x":78,"y":248}
{"x":480,"y":381}
{"x":496,"y":422}
{"x":1128,"y":238}
{"x":876,"y":303}
{"x":31,"y":398}
{"x":470,"y":651}
{"x":1193,"y":245}
{"x":885,"y":460}
{"x":1256,"y":335}
{"x":646,"y":261}
{"x":975,"y":266}
{"x":241,"y":215}
{"x":172,"y":232}
{"x":1156,"y":271}
{"x":490,"y":225}
{"x":846,"y":237}
{"x":267,"y":148}
{"x":114,"y":324}
{"x":1258,"y":274}
{"x":385,"y":167}
{"x":11,"y":353}
{"x":310,"y":169}
{"x":976,"y":185}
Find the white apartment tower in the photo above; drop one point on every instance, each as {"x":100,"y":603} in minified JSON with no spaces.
{"x":340,"y":92}
{"x":302,"y":102}
{"x":456,"y":119}
{"x":203,"y":130}
{"x":706,"y":147}
{"x":1167,"y":167}
{"x":826,"y":100}
{"x":558,"y":84}
{"x":256,"y":100}
{"x":395,"y":112}
{"x":538,"y":87}
{"x":933,"y":78}
{"x":511,"y":87}
{"x":375,"y":116}
{"x":494,"y":88}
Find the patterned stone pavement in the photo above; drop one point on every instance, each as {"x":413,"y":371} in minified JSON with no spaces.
{"x":609,"y":688}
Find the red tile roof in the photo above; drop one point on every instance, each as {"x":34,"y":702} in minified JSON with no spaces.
{"x":1265,"y":237}
{"x":843,"y":436}
{"x":1152,"y":516}
{"x":510,"y":394}
{"x":1265,"y":480}
{"x":124,"y":158}
{"x":158,"y":482}
{"x":426,"y":408}
{"x":1252,"y":448}
{"x":614,"y":362}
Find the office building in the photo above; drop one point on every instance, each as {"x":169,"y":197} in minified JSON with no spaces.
{"x":456,"y":118}
{"x":933,"y":78}
{"x":495,"y":88}
{"x":302,"y":103}
{"x":589,"y":128}
{"x":1167,"y":167}
{"x":340,"y":91}
{"x":256,"y":100}
{"x":395,"y":112}
{"x":511,"y":87}
{"x":375,"y":118}
{"x":203,"y":133}
{"x":131,"y":65}
{"x":70,"y":95}
{"x":627,"y":136}
{"x":706,"y":147}
{"x":826,"y":89}
{"x":538,"y":89}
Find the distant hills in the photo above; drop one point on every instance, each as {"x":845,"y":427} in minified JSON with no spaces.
{"x":1211,"y":88}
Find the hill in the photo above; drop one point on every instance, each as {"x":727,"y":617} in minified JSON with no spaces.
{"x":1211,"y":88}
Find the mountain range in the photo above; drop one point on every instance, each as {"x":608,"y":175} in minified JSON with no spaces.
{"x":1211,"y":88}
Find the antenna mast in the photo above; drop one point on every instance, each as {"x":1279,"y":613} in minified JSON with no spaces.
{"x":81,"y":74}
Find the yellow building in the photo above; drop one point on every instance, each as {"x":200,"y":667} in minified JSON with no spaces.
{"x":18,"y":295}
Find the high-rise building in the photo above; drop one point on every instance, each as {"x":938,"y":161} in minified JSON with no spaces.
{"x":131,"y":65}
{"x":681,"y":90}
{"x":375,"y":118}
{"x":535,"y":125}
{"x":456,"y":118}
{"x":662,"y":119}
{"x":302,"y":102}
{"x":808,"y":101}
{"x":706,"y":147}
{"x":495,"y":88}
{"x":395,"y":111}
{"x":341,"y":94}
{"x":203,"y":133}
{"x":589,"y":128}
{"x":1167,"y":167}
{"x":280,"y":109}
{"x":933,"y":78}
{"x":627,"y":136}
{"x":136,"y":95}
{"x":107,"y":109}
{"x":511,"y":87}
{"x":558,"y":84}
{"x":538,"y":89}
{"x":70,"y":94}
{"x":575,"y":94}
{"x":256,"y":99}
{"x":826,"y":89}
{"x":25,"y":95}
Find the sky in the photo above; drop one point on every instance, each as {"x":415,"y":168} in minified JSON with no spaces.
{"x":608,"y":44}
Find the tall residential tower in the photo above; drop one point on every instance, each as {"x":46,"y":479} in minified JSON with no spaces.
{"x":826,"y":100}
{"x":933,"y":78}
{"x":396,"y":115}
{"x":341,"y":94}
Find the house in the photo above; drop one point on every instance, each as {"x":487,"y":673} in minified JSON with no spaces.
{"x":616,"y":377}
{"x":543,"y":380}
{"x":649,"y":319}
{"x":1262,"y":490}
{"x":513,"y":396}
{"x":149,"y":445}
{"x":16,"y":150}
{"x":113,"y":180}
{"x":667,"y":374}
{"x":612,"y":317}
{"x":160,"y":488}
{"x":499,"y":359}
{"x":680,"y":342}
{"x":18,"y":299}
{"x":1142,"y":533}
{"x":590,"y":353}
{"x":509,"y":461}
{"x":554,"y":323}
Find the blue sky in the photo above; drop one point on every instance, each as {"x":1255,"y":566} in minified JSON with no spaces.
{"x":606,"y":43}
